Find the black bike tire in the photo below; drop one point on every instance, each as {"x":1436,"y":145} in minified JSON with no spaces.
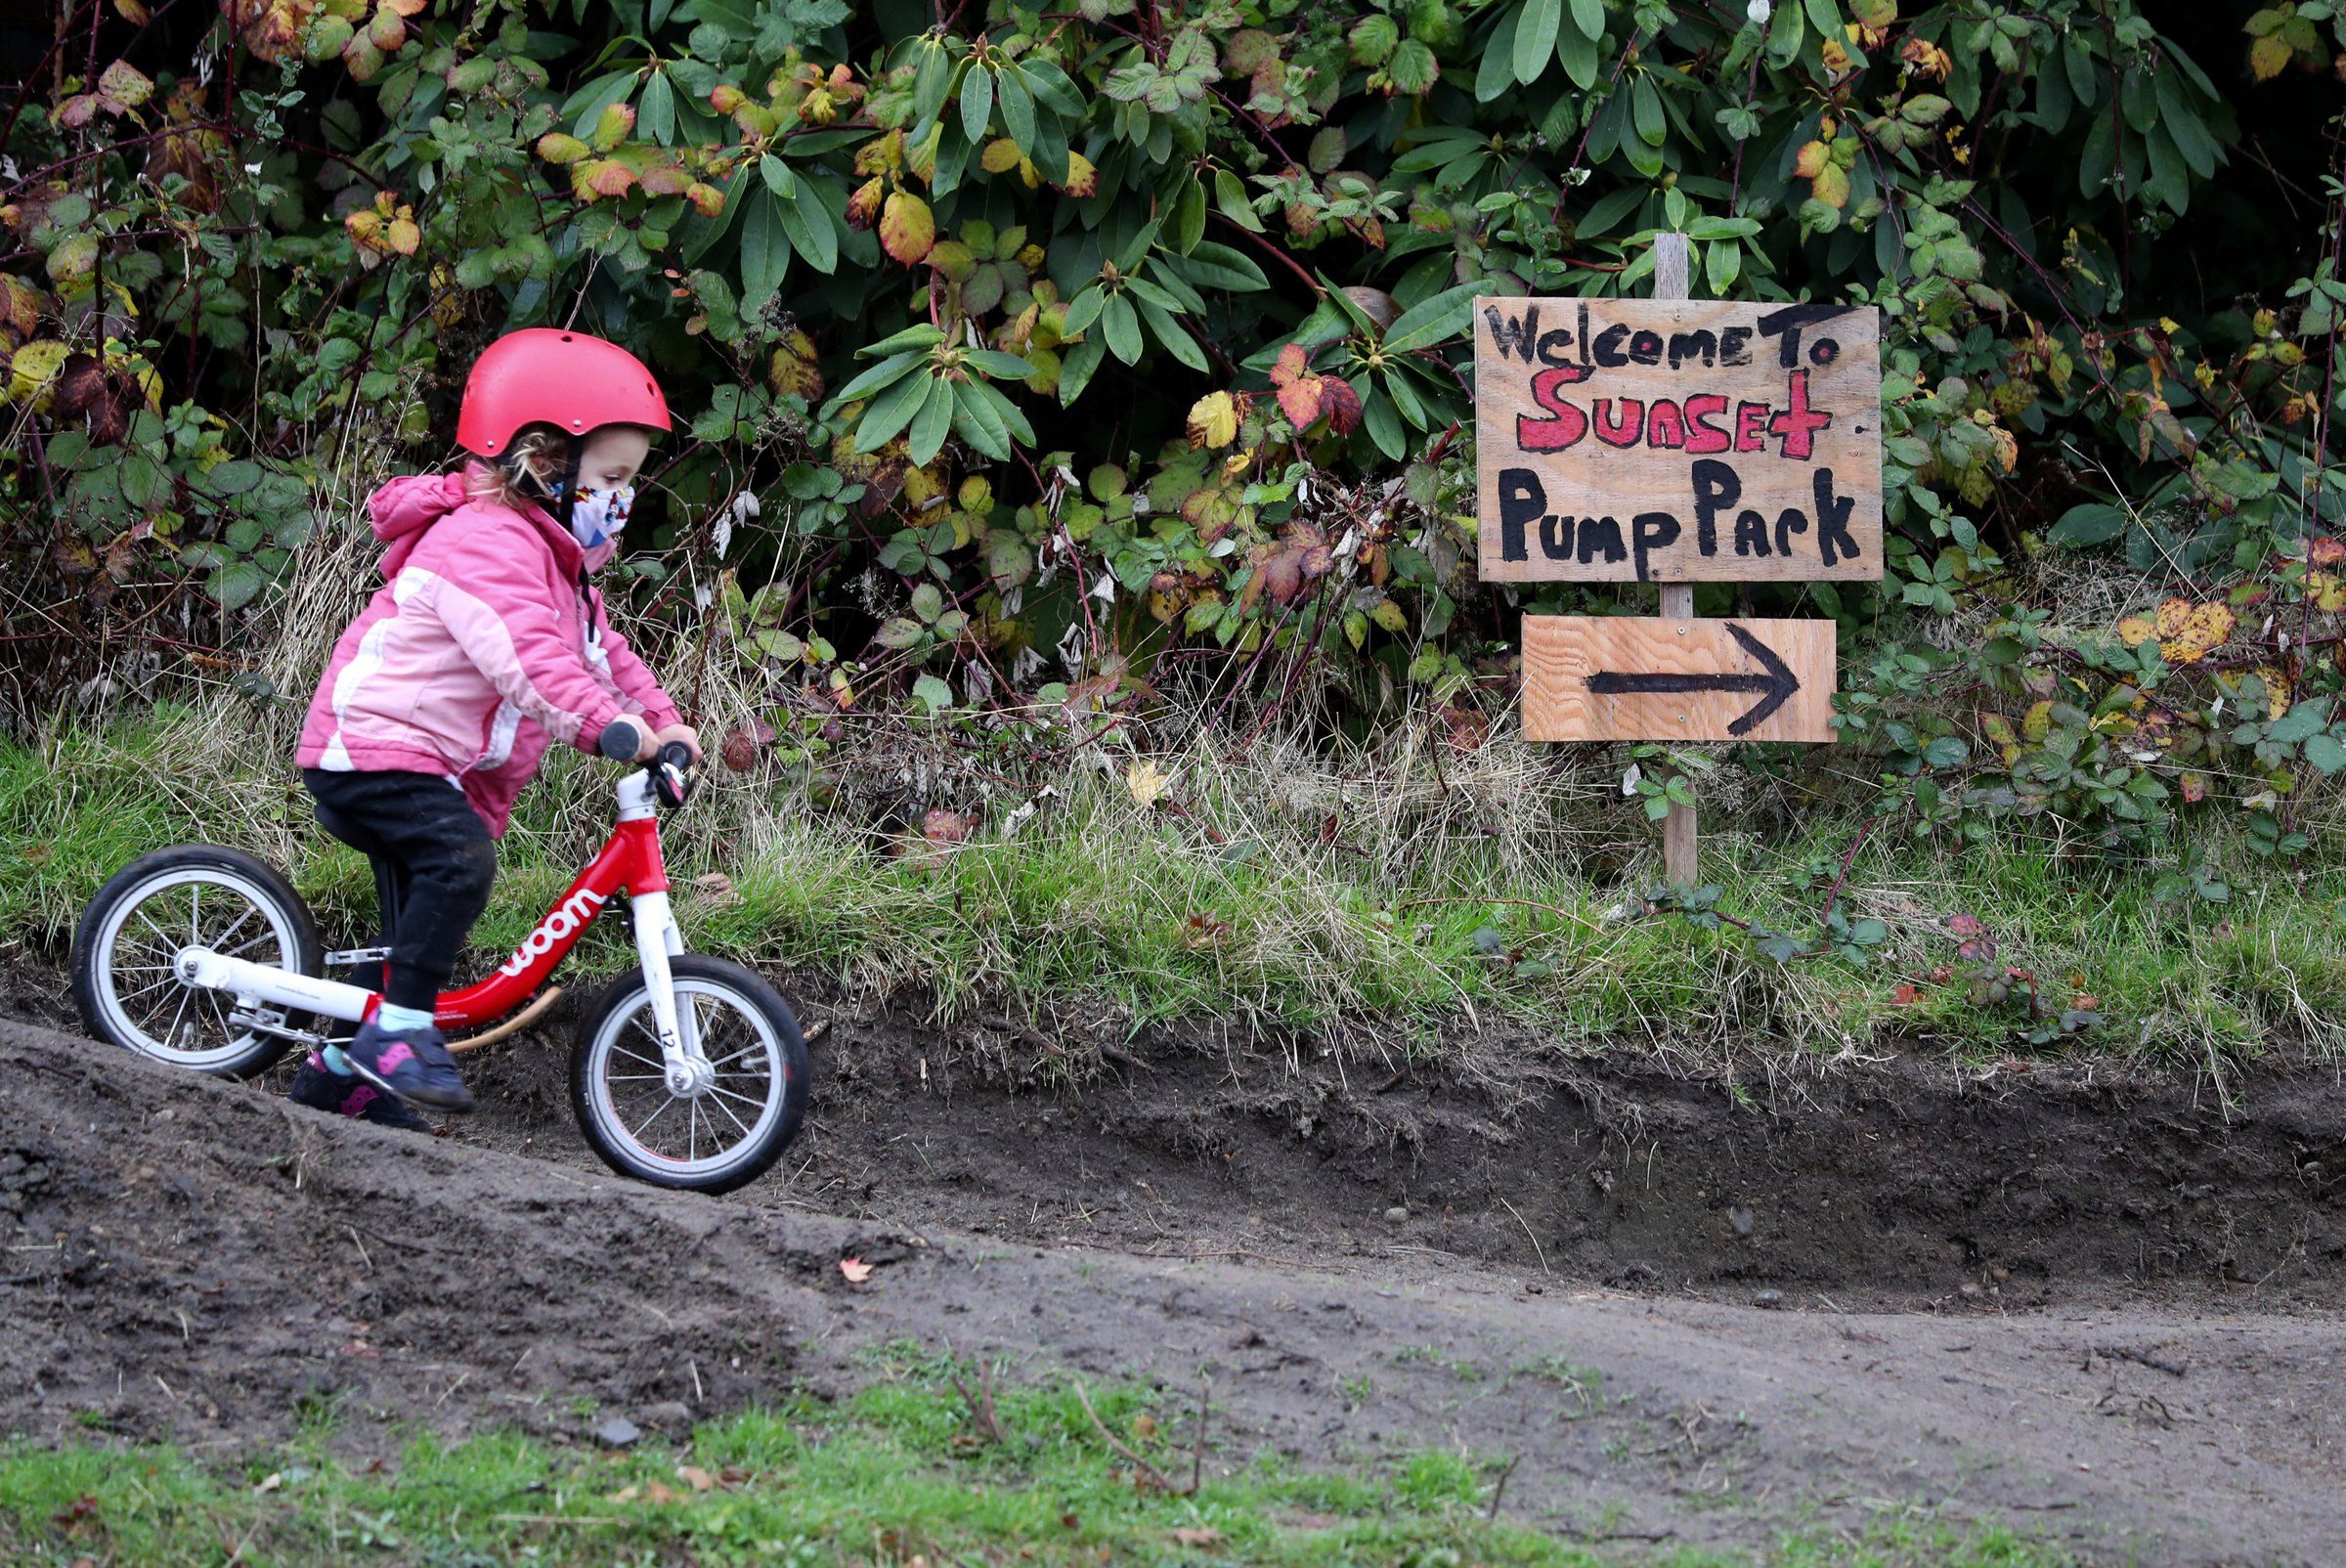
{"x":623,"y":995}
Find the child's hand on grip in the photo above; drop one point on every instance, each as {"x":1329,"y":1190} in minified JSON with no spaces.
{"x":690,"y":736}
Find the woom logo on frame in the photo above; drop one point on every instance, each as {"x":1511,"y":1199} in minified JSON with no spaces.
{"x":568,"y":916}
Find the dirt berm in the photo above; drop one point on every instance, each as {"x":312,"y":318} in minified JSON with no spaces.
{"x":197,"y":1260}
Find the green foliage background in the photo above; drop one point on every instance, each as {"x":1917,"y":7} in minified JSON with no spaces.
{"x":1039,"y":365}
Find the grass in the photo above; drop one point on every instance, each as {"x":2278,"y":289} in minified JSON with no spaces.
{"x":1290,"y":892}
{"x":895,"y":1475}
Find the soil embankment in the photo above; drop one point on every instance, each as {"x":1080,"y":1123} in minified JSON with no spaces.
{"x":197,"y":1260}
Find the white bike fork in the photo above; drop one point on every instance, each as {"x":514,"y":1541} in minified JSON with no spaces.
{"x":657,"y":941}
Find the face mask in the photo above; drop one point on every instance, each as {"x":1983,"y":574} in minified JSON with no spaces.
{"x":598,"y":516}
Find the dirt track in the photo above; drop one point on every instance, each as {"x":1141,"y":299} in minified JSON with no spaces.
{"x":194,"y":1259}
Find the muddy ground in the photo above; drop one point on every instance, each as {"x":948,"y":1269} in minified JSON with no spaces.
{"x":2098,"y":1308}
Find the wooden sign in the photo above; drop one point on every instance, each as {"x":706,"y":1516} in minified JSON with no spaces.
{"x":1632,"y":677}
{"x":1671,"y":441}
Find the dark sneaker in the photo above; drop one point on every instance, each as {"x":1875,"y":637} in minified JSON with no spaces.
{"x":338,"y":1095}
{"x":410,"y":1063}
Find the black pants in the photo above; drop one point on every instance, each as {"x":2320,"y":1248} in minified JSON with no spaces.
{"x":434,"y":863}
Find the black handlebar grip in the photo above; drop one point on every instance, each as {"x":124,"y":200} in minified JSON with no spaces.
{"x":621,"y":740}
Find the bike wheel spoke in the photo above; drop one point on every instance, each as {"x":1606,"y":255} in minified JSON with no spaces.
{"x":730,"y":1117}
{"x":171,"y":1040}
{"x":638,"y":1133}
{"x":144,"y":990}
{"x":234,"y":925}
{"x":649,"y":1062}
{"x":692,"y":1135}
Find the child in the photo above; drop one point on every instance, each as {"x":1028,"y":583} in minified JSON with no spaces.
{"x":484,"y":644}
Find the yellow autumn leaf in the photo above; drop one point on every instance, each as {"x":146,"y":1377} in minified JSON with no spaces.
{"x":2189,"y":633}
{"x":2276,"y":690}
{"x":2327,"y":591}
{"x":795,"y":369}
{"x":2037,"y":722}
{"x":1146,"y":781}
{"x":1213,"y":421}
{"x":1082,"y":178}
{"x":32,"y":374}
{"x":907,"y":228}
{"x":2269,"y":57}
{"x":2136,"y":630}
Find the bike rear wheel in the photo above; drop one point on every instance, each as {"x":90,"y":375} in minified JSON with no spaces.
{"x":711,"y":1141}
{"x":191,"y":894}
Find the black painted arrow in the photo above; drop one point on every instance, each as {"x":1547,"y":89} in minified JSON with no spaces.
{"x":1777,"y":684}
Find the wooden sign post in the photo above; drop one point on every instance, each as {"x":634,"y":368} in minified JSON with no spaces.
{"x":1671,"y":441}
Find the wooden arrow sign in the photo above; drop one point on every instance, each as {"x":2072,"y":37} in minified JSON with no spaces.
{"x":1628,"y":677}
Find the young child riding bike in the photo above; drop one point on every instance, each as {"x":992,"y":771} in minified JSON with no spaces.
{"x":485,"y":643}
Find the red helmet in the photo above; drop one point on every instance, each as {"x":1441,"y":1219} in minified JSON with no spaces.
{"x":541,"y":376}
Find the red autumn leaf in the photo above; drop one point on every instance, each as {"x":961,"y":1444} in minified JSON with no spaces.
{"x":855,"y":1269}
{"x":1341,"y":404}
{"x":1298,"y":386}
{"x":602,"y":177}
{"x":1965,"y":925}
{"x":1906,"y":995}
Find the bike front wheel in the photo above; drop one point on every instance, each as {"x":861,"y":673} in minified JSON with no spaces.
{"x":723,"y":1136}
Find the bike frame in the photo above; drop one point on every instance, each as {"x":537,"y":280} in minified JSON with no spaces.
{"x":629,"y":861}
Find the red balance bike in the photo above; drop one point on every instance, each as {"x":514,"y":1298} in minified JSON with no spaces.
{"x":688,"y":1071}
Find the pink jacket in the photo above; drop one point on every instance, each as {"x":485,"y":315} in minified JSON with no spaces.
{"x":475,"y":652}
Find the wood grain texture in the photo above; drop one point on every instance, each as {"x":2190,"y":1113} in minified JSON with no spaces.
{"x":1569,"y":662}
{"x":1676,"y":441}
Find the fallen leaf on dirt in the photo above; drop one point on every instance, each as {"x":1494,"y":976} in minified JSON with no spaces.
{"x":1906,"y":995}
{"x":270,"y":1482}
{"x":654,"y":1492}
{"x":693,"y":1476}
{"x":1207,"y":930}
{"x":1202,"y":1537}
{"x":625,"y":1494}
{"x":855,"y":1269}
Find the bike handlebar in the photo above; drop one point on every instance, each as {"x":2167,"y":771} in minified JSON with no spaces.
{"x":622,"y":741}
